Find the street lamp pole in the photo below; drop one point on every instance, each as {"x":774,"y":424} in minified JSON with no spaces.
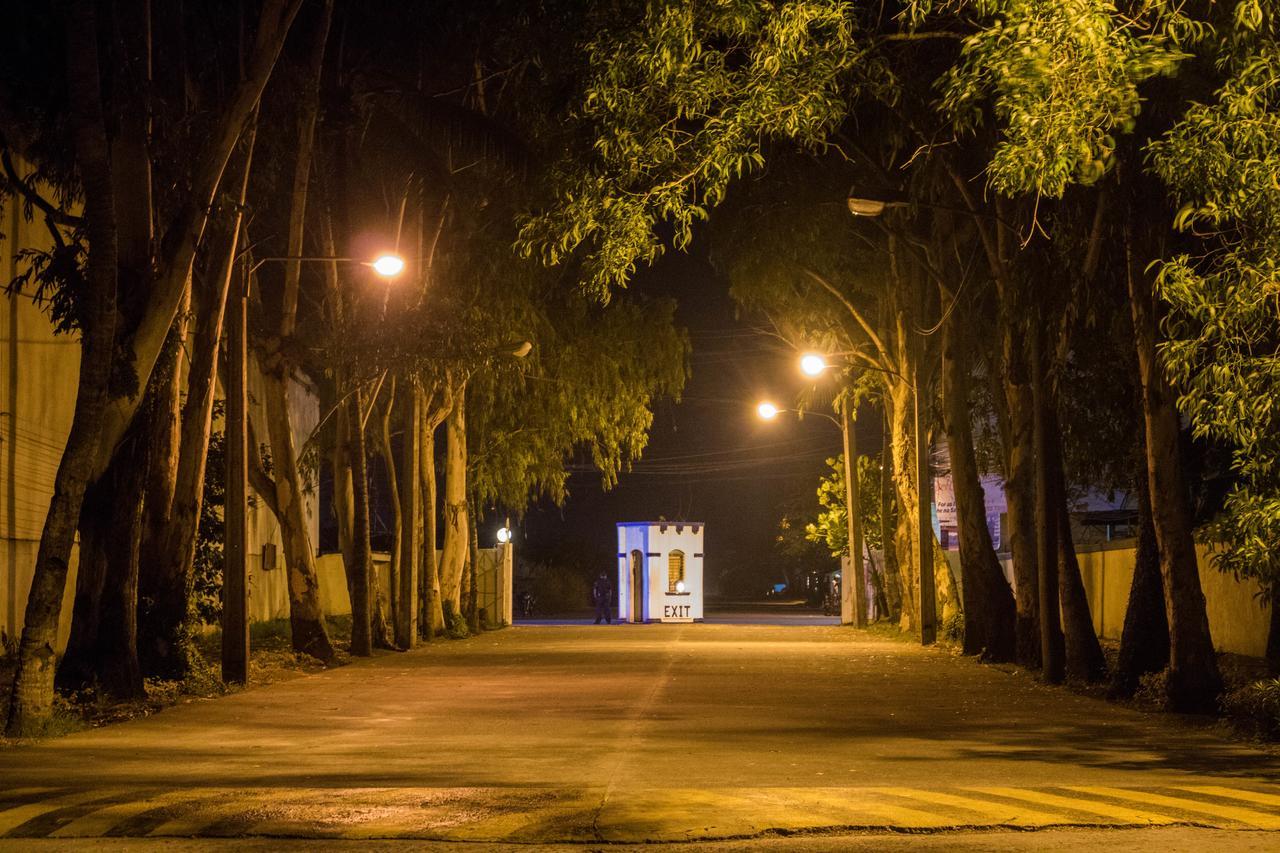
{"x":235,"y":572}
{"x":928,"y":605}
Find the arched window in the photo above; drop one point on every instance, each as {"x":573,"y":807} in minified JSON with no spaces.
{"x":675,"y":572}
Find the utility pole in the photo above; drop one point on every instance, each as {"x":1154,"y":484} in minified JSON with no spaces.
{"x":924,"y":526}
{"x":235,"y":574}
{"x":853,"y":591}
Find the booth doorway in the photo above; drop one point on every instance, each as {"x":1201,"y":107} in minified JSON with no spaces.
{"x":637,"y":586}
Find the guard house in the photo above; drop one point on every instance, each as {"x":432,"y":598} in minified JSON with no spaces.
{"x":660,"y":571}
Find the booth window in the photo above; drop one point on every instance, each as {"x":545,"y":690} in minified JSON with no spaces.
{"x":675,"y":572}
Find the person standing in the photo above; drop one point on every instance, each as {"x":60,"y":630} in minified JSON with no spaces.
{"x":602,"y":597}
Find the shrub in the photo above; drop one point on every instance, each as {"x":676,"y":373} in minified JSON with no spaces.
{"x":1255,"y":708}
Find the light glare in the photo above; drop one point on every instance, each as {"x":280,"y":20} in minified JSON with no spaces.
{"x":388,"y":265}
{"x":768,"y":411}
{"x":813,"y":364}
{"x":504,"y":535}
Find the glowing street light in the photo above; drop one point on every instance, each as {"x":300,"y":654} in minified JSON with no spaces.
{"x":388,"y":266}
{"x":768,"y":411}
{"x":812,"y":364}
{"x":504,"y":535}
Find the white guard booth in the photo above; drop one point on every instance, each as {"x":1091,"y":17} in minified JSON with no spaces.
{"x":660,"y":571}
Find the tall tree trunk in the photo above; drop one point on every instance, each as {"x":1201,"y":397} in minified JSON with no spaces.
{"x":397,"y":513}
{"x":1084,"y":658}
{"x":903,"y":475}
{"x":358,"y":571}
{"x":180,"y":241}
{"x":1052,"y":643}
{"x":1273,"y":638}
{"x":1144,"y":640}
{"x":456,"y":531}
{"x":407,"y":613}
{"x":1015,"y":418}
{"x":31,"y":702}
{"x":1194,"y":682}
{"x":306,"y":618}
{"x":893,"y":581}
{"x":473,"y":571}
{"x":430,"y":600}
{"x":165,"y":617}
{"x":989,"y":608}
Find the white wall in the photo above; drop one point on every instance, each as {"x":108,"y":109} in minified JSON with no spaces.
{"x":655,"y":542}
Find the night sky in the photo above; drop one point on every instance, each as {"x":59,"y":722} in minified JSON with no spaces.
{"x":710,"y":458}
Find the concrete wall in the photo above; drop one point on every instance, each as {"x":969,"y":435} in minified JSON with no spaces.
{"x":1238,"y":619}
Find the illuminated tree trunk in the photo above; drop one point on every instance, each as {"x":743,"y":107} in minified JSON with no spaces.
{"x":1194,"y":682}
{"x":429,"y":596}
{"x":31,"y":701}
{"x":359,"y":569}
{"x":398,"y":521}
{"x":989,"y":608}
{"x":893,"y":580}
{"x":456,"y":531}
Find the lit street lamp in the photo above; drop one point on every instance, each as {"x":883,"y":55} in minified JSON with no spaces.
{"x":853,"y":594}
{"x":235,"y":583}
{"x":928,"y":606}
{"x":768,"y":411}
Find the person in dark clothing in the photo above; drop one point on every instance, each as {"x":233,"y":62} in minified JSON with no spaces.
{"x":602,"y":598}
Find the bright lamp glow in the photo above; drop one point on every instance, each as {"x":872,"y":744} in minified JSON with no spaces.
{"x":388,"y":265}
{"x":679,"y":586}
{"x":768,"y":411}
{"x":504,"y":535}
{"x":813,"y":364}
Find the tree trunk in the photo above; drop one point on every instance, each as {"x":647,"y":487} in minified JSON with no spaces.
{"x":1144,"y":640}
{"x":457,"y":530}
{"x":893,"y":581}
{"x":989,"y":609}
{"x":306,"y":617}
{"x":1084,"y":658}
{"x":1052,"y":644}
{"x":31,"y":702}
{"x":903,"y":447}
{"x":1015,"y":417}
{"x":411,"y":515}
{"x":397,"y":512}
{"x":1194,"y":683}
{"x":1273,"y":638}
{"x":165,"y":618}
{"x":429,"y":598}
{"x":359,"y":569}
{"x":473,"y":572}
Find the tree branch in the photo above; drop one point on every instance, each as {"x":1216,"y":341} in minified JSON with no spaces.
{"x":28,"y":192}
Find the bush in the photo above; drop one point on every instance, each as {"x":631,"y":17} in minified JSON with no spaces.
{"x":455,"y":624}
{"x":557,"y":589}
{"x":1255,"y":708}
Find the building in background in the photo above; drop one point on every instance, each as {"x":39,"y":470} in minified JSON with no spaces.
{"x":660,"y":571}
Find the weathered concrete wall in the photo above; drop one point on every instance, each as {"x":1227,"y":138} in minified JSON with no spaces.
{"x":1238,"y":619}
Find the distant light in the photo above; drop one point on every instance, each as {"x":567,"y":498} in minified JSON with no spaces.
{"x":679,"y":586}
{"x":813,"y":364}
{"x":768,"y":411}
{"x":388,"y":266}
{"x":504,"y":535}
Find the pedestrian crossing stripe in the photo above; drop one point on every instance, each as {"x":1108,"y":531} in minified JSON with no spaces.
{"x":510,"y":814}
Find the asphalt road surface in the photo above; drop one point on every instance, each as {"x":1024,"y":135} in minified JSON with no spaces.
{"x":739,"y":736}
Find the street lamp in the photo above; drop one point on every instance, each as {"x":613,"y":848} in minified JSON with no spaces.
{"x":812,"y":364}
{"x":767,"y":411}
{"x":504,"y":535}
{"x":235,"y":585}
{"x":853,"y":595}
{"x":871,"y":207}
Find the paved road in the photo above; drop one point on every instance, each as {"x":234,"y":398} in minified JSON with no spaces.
{"x":609,"y":735}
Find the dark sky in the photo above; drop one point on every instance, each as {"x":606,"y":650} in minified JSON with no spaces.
{"x":710,"y":458}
